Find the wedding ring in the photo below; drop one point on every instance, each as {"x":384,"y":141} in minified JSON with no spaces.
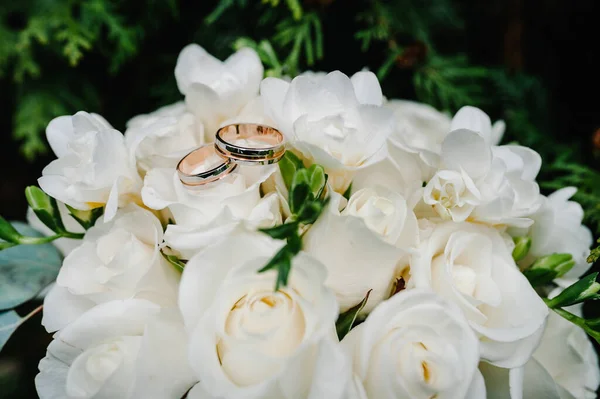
{"x":196,"y":168}
{"x":262,"y":145}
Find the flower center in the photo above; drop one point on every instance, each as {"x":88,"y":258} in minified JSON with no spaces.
{"x":261,"y":330}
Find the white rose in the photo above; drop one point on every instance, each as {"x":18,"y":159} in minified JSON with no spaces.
{"x":93,"y":168}
{"x":247,"y":341}
{"x":362,"y":245}
{"x":119,"y":349}
{"x":116,"y":260}
{"x":415,"y":345}
{"x":160,"y":139}
{"x":472,"y":266}
{"x":557,"y":228}
{"x":188,"y":240}
{"x":334,"y":121}
{"x":216,"y":91}
{"x":239,"y":192}
{"x":64,"y":245}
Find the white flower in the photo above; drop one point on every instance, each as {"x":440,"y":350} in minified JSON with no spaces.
{"x":334,"y":121}
{"x":160,"y":139}
{"x":248,"y":341}
{"x":239,"y":192}
{"x":557,"y":228}
{"x":116,"y":260}
{"x":216,"y":91}
{"x":415,"y":345}
{"x":452,"y":194}
{"x":472,"y":266}
{"x":420,"y":129}
{"x":478,"y":181}
{"x":362,"y":245}
{"x":528,"y":381}
{"x":564,"y":366}
{"x":93,"y":168}
{"x":64,"y":245}
{"x":188,"y":240}
{"x":400,"y":171}
{"x":567,"y":354}
{"x":510,"y":188}
{"x":120,"y":349}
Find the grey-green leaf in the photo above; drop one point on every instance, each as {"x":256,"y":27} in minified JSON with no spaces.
{"x":9,"y":322}
{"x":26,"y":269}
{"x":346,"y":320}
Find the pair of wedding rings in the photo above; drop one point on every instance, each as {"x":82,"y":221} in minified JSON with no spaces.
{"x":262,"y":145}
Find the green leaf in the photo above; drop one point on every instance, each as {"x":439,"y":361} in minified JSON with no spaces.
{"x":547,"y":268}
{"x":86,"y":219}
{"x":282,"y":231}
{"x":594,"y":254}
{"x":26,"y":269}
{"x":45,"y":208}
{"x":177,"y":263}
{"x":311,"y":211}
{"x":346,"y":320}
{"x":348,"y":192}
{"x":283,"y":272}
{"x":8,"y":232}
{"x":300,"y":192}
{"x":9,"y":322}
{"x":288,"y":165}
{"x":317,"y":179}
{"x":282,"y":261}
{"x":582,"y":290}
{"x":522,"y":245}
{"x":295,"y":8}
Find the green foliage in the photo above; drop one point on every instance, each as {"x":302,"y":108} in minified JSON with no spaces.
{"x":586,"y":289}
{"x":46,"y":209}
{"x":450,"y":82}
{"x":61,"y":32}
{"x":26,"y":270}
{"x":347,"y":320}
{"x":9,"y":322}
{"x":296,"y":33}
{"x":307,"y":200}
{"x":522,"y":246}
{"x":547,"y":268}
{"x":174,"y":261}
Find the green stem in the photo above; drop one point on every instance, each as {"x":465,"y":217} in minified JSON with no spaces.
{"x":43,"y":240}
{"x":578,"y":321}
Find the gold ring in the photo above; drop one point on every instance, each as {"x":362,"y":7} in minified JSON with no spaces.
{"x":192,"y":168}
{"x":263,"y":145}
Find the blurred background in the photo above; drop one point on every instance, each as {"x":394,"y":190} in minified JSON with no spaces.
{"x":533,"y":63}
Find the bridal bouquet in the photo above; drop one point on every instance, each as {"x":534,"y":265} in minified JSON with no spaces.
{"x":393,"y":252}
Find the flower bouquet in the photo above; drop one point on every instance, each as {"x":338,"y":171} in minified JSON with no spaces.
{"x":392,"y":251}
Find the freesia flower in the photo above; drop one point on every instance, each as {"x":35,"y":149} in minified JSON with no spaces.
{"x":93,"y":168}
{"x":335,"y":121}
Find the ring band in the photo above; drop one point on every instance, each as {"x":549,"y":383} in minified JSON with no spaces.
{"x":270,"y":147}
{"x":187,"y":166}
